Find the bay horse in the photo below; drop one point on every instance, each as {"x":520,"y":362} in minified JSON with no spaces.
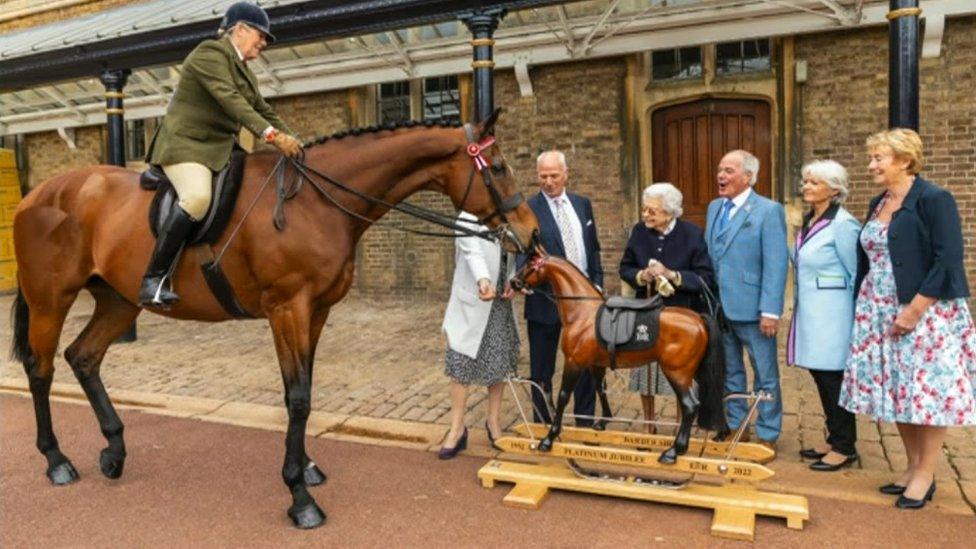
{"x":685,"y":341}
{"x":88,"y":229}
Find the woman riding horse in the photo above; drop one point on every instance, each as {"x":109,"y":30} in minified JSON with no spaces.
{"x":217,"y":94}
{"x":75,"y":232}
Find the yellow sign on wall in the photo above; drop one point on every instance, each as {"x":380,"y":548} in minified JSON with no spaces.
{"x":9,"y":198}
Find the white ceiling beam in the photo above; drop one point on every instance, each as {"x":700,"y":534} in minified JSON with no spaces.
{"x":53,"y":93}
{"x":568,"y":32}
{"x":398,"y":46}
{"x":584,"y":46}
{"x":268,"y":71}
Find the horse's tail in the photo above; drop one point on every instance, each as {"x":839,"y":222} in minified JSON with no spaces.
{"x":711,"y":380}
{"x":20,"y":349}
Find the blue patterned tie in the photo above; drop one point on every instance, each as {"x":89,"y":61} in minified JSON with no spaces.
{"x":723,"y":218}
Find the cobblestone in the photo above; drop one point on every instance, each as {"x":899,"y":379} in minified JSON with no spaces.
{"x":384,"y":360}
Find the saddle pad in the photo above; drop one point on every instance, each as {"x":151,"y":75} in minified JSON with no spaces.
{"x":627,"y":329}
{"x":226,"y":185}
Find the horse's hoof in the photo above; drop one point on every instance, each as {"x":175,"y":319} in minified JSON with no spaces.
{"x":111,"y":463}
{"x":309,"y":516}
{"x":545,"y":445}
{"x":62,"y":474}
{"x":313,"y":475}
{"x":599,"y":425}
{"x":669,"y":457}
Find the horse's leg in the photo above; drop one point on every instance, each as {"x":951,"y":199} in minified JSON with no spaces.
{"x":112,"y":317}
{"x":291,"y":325}
{"x":687,"y":393}
{"x":571,"y":374}
{"x":44,"y":330}
{"x":599,"y":375}
{"x":313,"y":475}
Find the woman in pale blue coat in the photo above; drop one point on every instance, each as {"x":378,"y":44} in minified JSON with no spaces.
{"x":825,"y":266}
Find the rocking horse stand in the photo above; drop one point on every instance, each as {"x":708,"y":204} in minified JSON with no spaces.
{"x":737,"y":467}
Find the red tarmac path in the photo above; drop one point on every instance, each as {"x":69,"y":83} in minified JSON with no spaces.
{"x":194,"y":483}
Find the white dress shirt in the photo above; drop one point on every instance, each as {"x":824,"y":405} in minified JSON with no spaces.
{"x":574,"y":222}
{"x":738,"y":201}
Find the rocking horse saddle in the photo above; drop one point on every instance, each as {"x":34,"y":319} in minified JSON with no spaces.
{"x":225,"y":187}
{"x":628,"y":324}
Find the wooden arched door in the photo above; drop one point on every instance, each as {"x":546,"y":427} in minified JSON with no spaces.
{"x":690,"y":139}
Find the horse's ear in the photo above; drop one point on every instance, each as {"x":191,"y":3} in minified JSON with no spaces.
{"x":486,"y":126}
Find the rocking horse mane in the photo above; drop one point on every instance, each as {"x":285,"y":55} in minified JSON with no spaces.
{"x":564,"y":263}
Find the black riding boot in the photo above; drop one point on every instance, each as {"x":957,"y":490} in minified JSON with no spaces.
{"x":153,"y":292}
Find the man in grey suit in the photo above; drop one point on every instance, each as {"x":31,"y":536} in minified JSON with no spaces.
{"x":746,"y":237}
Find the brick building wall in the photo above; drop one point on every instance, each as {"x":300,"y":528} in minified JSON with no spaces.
{"x":395,"y":264}
{"x":579,"y":108}
{"x":314,"y":114}
{"x":49,"y":155}
{"x":845,"y":100}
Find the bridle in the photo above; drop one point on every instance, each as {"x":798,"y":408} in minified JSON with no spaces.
{"x":479,"y":164}
{"x":459,"y":227}
{"x":518,"y":282}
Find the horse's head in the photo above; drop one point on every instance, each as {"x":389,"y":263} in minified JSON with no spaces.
{"x":481,"y":183}
{"x":533,"y":272}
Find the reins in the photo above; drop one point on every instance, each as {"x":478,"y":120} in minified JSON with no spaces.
{"x":287,"y":190}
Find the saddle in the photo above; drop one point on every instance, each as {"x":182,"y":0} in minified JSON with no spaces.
{"x":628,"y":324}
{"x":226,"y":186}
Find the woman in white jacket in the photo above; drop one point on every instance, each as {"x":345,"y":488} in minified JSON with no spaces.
{"x":482,"y":338}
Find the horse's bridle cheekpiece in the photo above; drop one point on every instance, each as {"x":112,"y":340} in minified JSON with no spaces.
{"x":476,"y":151}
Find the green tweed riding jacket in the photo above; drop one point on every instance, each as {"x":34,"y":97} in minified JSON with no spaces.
{"x":217,"y":94}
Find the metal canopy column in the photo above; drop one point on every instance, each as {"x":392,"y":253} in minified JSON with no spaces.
{"x":482,"y":24}
{"x":903,"y":54}
{"x":114,"y":81}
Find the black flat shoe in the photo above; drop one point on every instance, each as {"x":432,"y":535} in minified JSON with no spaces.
{"x":908,"y":503}
{"x":461,"y":444}
{"x":820,"y":465}
{"x":892,"y":489}
{"x":810,"y":453}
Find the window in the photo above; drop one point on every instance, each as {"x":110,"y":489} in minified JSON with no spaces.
{"x":442,"y":100}
{"x":394,"y":102}
{"x":676,"y":64}
{"x":135,"y":140}
{"x":742,"y":57}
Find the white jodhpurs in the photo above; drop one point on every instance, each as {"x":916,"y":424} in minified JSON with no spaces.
{"x":192,"y":183}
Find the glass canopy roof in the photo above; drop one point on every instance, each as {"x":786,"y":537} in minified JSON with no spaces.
{"x":575,"y":29}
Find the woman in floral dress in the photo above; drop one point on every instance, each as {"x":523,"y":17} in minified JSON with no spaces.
{"x":913,"y":347}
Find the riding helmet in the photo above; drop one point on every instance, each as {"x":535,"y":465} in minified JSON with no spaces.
{"x":250,"y":14}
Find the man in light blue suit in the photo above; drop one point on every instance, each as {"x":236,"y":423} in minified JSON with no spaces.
{"x":746,"y":237}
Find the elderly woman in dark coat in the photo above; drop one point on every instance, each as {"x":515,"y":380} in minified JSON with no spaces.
{"x":668,"y":254}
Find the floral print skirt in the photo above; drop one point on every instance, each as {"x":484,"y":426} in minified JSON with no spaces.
{"x":925,"y":377}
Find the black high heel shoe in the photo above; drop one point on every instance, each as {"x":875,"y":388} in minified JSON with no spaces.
{"x":820,"y":465}
{"x":908,"y":503}
{"x":810,"y":453}
{"x":491,"y":439}
{"x":892,"y":489}
{"x":462,"y":444}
